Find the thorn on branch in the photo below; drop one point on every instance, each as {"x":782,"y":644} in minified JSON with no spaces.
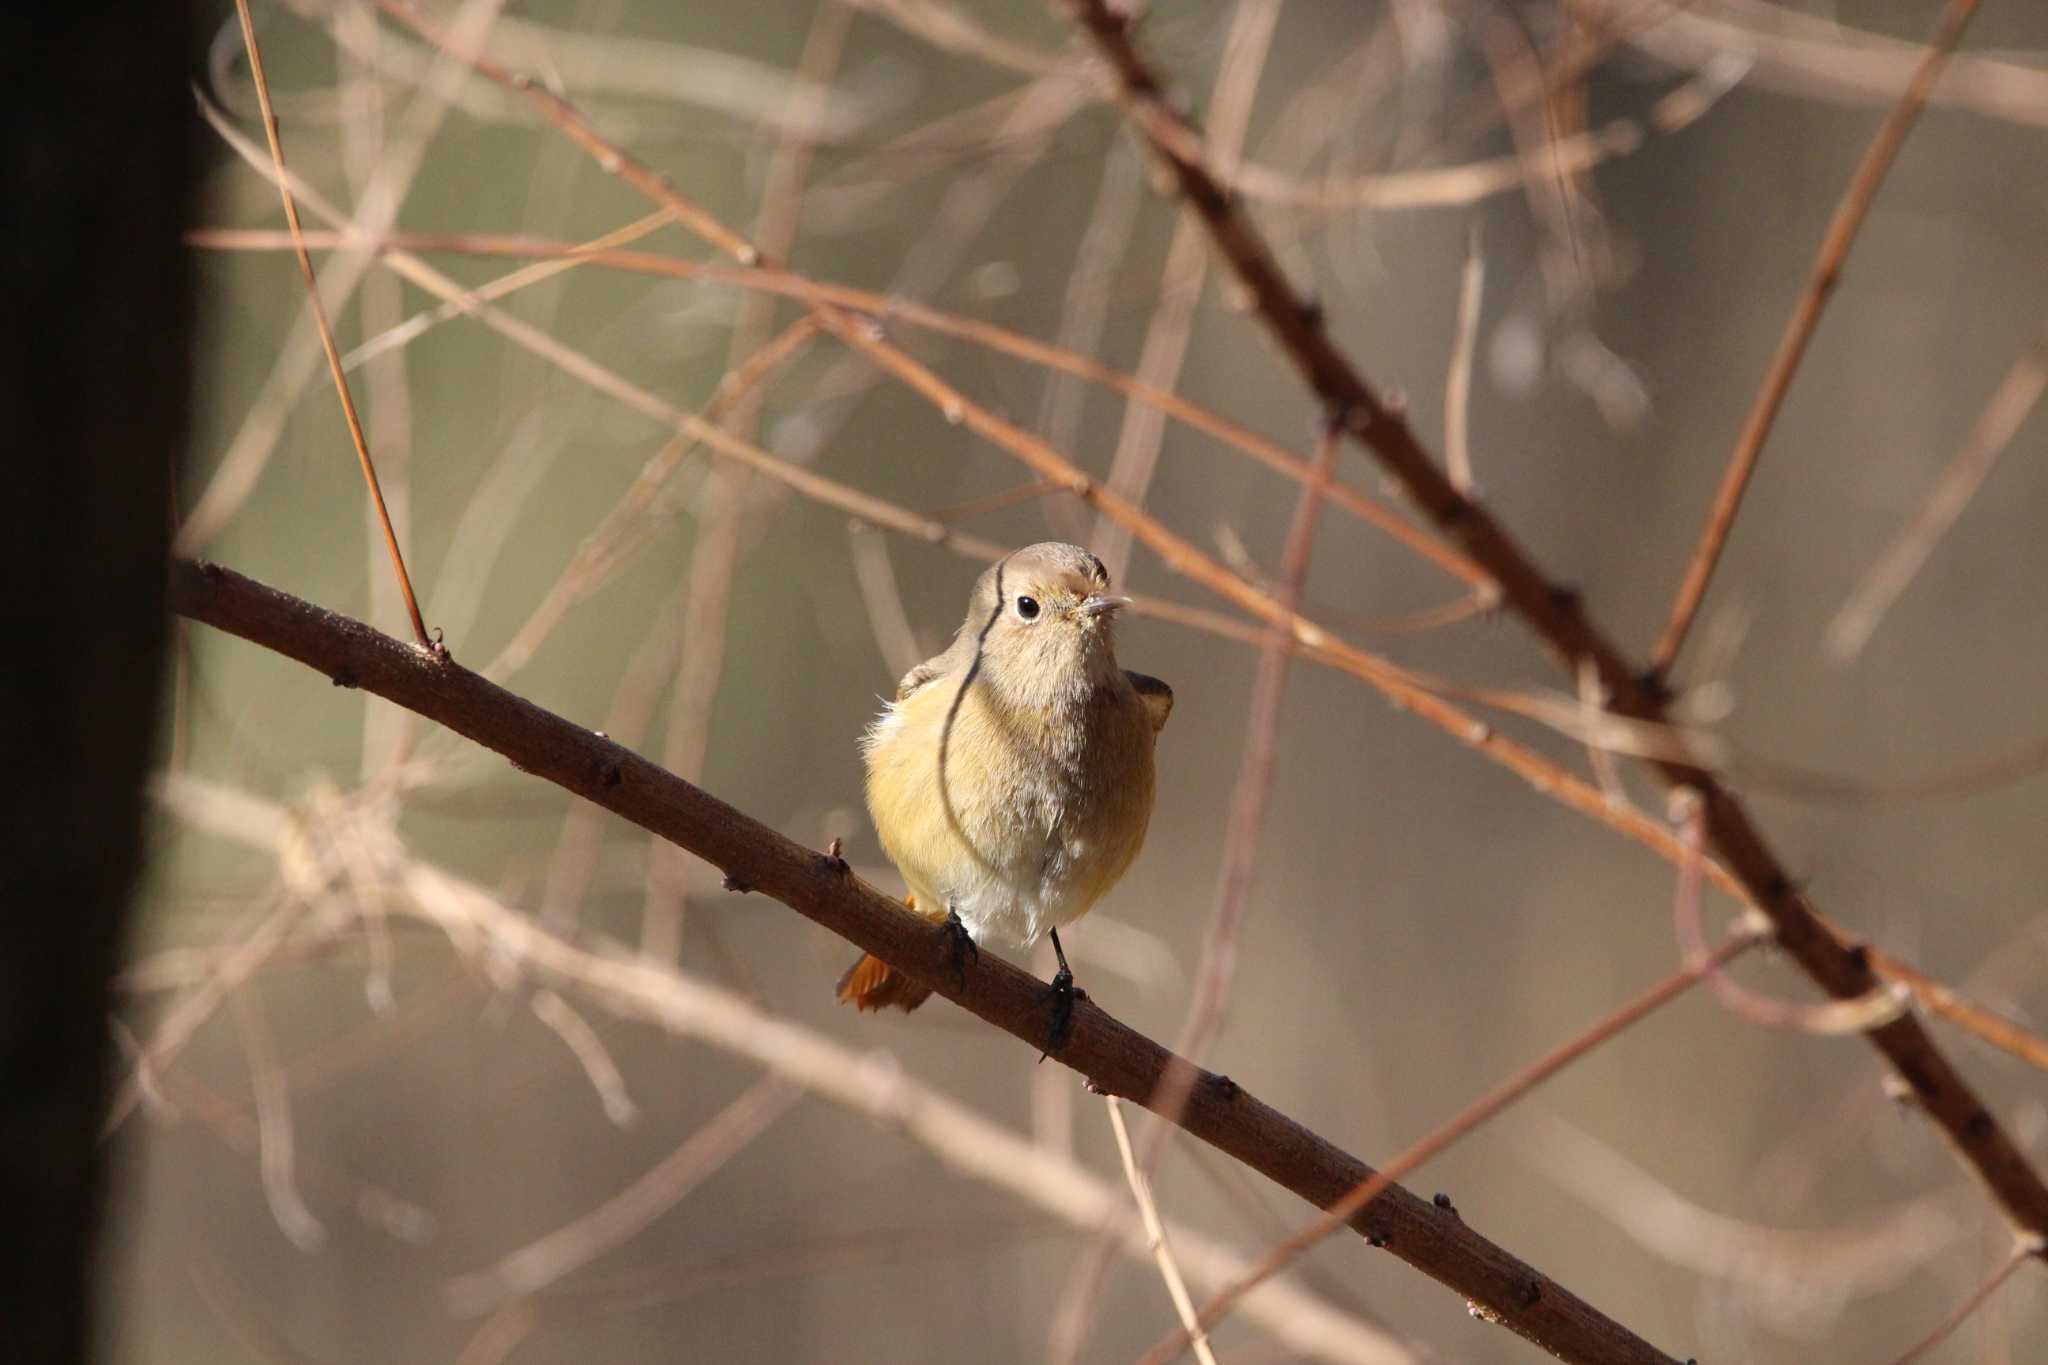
{"x":1443,"y":1201}
{"x":830,"y":860}
{"x":346,"y":678}
{"x":736,"y":884}
{"x":1225,"y":1088}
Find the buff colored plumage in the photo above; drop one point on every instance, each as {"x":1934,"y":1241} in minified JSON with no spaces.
{"x":1011,"y":780}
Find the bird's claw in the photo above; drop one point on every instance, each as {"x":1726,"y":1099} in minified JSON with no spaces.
{"x":1064,"y":994}
{"x":960,"y":945}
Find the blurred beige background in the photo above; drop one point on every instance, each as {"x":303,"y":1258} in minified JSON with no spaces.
{"x":1421,"y":923}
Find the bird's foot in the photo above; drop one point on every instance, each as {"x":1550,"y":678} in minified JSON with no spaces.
{"x":960,"y":945}
{"x":1064,"y":993}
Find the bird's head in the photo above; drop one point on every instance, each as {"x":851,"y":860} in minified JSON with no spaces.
{"x":1042,"y":619}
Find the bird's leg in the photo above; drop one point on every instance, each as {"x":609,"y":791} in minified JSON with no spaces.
{"x":960,"y":944}
{"x":1063,"y":997}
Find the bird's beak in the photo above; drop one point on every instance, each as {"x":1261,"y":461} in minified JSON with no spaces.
{"x":1101,"y":604}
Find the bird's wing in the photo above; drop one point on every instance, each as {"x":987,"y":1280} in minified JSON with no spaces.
{"x":925,"y":673}
{"x":1156,"y":695}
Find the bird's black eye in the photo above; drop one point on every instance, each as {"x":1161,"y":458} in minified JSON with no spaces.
{"x":1027,"y":608}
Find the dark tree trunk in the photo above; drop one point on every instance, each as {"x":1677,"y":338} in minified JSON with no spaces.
{"x":96,"y":169}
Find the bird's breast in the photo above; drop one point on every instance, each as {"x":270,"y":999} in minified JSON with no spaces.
{"x":1017,"y":818}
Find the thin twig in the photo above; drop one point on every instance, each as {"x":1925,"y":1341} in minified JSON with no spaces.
{"x":348,"y":402}
{"x":525,"y":277}
{"x":274,"y":1142}
{"x":2023,"y":1250}
{"x":575,"y":1244}
{"x":1155,"y":1235}
{"x":591,"y":1054}
{"x":1812,"y":57}
{"x":1792,"y":1279}
{"x":1085,"y":307}
{"x":1860,"y":1015}
{"x":239,"y":1131}
{"x":1218,"y":966}
{"x":1887,"y":577}
{"x":1458,"y":383}
{"x":1970,"y":777}
{"x":1799,"y":328}
{"x":1171,"y":324}
{"x":884,"y":602}
{"x":996,"y":502}
{"x":253,"y":945}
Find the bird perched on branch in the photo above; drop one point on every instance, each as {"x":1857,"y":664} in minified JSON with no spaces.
{"x":1011,"y":780}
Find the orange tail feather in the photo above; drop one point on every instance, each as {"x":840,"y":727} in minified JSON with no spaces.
{"x":872,"y":984}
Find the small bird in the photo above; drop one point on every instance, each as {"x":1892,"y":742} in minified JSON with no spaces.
{"x":1011,"y":780}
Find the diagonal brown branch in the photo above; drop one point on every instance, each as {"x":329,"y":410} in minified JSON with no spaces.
{"x":1840,"y":967}
{"x":1117,"y":1059}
